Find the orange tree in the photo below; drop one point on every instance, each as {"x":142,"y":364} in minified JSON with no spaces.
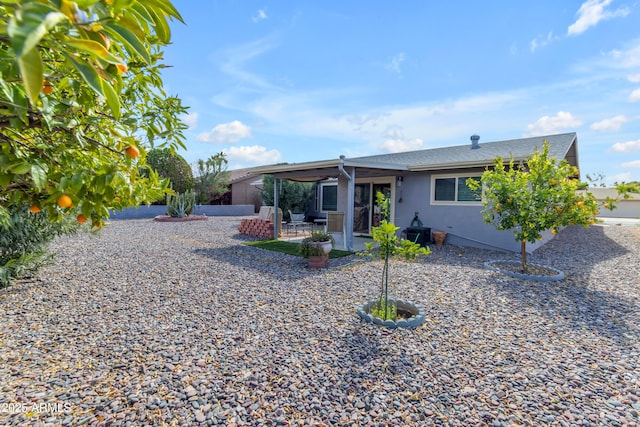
{"x":534,"y":197}
{"x":81,"y":99}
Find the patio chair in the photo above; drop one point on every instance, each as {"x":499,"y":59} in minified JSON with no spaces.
{"x":296,"y":220}
{"x":335,"y":224}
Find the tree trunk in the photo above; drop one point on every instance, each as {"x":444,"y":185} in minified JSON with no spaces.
{"x":524,"y":256}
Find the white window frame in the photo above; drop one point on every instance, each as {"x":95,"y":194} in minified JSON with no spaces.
{"x":455,"y":202}
{"x":321,"y":196}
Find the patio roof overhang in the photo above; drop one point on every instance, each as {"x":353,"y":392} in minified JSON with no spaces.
{"x":321,"y":170}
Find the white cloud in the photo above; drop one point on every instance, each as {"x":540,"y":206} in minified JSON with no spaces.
{"x":255,"y":155}
{"x":634,"y":78}
{"x":631,"y":164}
{"x":542,"y":41}
{"x":396,"y":142}
{"x":621,"y":177}
{"x":226,"y":133}
{"x":191,"y":120}
{"x":591,"y":12}
{"x":610,"y":125}
{"x":553,"y":124}
{"x":635,"y":96}
{"x":395,"y":63}
{"x":260,"y":15}
{"x":627,"y":147}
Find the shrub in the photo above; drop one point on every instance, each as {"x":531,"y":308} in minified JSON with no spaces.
{"x":181,"y":204}
{"x":172,"y":166}
{"x":24,"y":240}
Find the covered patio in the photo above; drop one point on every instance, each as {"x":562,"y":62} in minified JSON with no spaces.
{"x":346,"y":171}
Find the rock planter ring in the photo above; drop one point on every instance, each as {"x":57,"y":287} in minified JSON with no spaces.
{"x":417,"y":318}
{"x":554,"y":276}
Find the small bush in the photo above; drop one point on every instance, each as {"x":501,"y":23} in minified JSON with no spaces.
{"x":24,"y":240}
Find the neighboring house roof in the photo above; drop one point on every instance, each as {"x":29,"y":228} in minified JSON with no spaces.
{"x":238,"y":175}
{"x":454,"y":157}
{"x":603,"y":193}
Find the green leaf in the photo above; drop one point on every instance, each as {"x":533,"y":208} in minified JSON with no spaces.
{"x":127,"y":37}
{"x":76,"y":182}
{"x":113,"y":100}
{"x":160,"y":24}
{"x":30,"y":24}
{"x":39,"y":176}
{"x":89,"y":74}
{"x":19,"y":167}
{"x":93,"y":48}
{"x":32,"y":74}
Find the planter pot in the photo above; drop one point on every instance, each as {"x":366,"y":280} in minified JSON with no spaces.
{"x":326,"y":246}
{"x":318,"y":261}
{"x":439,"y":237}
{"x":415,"y":318}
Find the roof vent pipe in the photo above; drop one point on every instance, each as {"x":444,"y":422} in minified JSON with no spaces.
{"x":474,"y":141}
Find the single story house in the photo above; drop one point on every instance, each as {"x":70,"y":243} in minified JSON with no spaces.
{"x":625,"y":208}
{"x":245,"y":188}
{"x":431,"y":183}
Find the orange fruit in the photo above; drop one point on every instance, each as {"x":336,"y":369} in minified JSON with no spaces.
{"x":64,"y":201}
{"x":47,"y":87}
{"x":554,"y":232}
{"x":97,"y":224}
{"x":553,"y":181}
{"x":122,"y":68}
{"x":34,"y":208}
{"x":132,"y":151}
{"x":81,"y":219}
{"x":580,"y":204}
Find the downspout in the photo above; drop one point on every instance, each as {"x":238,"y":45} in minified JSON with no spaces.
{"x":348,"y":226}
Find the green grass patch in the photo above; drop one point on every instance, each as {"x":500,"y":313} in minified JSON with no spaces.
{"x":290,"y":248}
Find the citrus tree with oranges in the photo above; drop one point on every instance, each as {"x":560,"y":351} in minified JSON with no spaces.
{"x":531,"y":198}
{"x":81,"y":101}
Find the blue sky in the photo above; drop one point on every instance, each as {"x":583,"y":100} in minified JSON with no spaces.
{"x":296,"y":81}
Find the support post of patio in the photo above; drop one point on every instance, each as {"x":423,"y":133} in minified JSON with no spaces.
{"x":275,"y":209}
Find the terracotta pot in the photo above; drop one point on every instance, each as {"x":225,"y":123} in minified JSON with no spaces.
{"x":318,"y":261}
{"x":439,"y":237}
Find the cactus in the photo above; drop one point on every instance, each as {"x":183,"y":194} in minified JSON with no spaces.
{"x":181,"y":204}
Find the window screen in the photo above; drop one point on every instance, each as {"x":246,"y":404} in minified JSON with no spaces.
{"x":445,"y":189}
{"x":330,"y":198}
{"x":465,"y":194}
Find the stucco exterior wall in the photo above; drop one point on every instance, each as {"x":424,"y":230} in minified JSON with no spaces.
{"x":464,"y":224}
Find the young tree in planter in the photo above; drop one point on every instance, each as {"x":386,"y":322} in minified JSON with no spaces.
{"x":534,"y":197}
{"x":389,"y":246}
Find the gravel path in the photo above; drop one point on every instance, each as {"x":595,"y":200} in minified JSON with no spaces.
{"x":180,"y":324}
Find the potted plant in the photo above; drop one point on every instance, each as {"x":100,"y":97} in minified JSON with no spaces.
{"x":316,"y":248}
{"x":384,"y":310}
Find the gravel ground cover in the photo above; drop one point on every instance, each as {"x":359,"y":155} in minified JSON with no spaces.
{"x":180,"y":324}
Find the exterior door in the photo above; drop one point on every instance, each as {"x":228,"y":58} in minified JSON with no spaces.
{"x":361,"y":208}
{"x":384,"y":189}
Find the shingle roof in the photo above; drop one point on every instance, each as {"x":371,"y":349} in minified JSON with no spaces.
{"x":460,"y":155}
{"x":454,"y":157}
